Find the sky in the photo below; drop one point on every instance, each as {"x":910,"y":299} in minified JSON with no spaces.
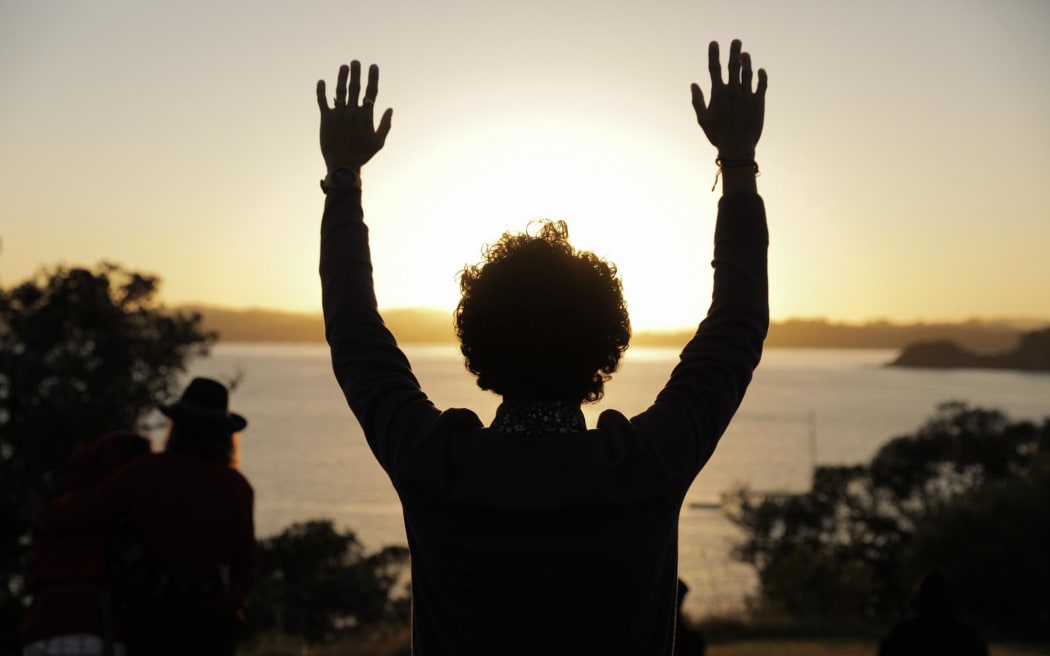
{"x":904,"y":159}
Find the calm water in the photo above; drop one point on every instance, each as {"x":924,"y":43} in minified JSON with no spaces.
{"x":307,"y":459}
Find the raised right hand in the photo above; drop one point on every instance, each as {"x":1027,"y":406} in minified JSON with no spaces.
{"x":349,"y":137}
{"x":733,"y":119}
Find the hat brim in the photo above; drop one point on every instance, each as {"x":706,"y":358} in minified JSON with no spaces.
{"x":191,"y":415}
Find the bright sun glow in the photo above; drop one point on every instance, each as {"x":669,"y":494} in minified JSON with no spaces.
{"x":193,"y":134}
{"x":619,"y":198}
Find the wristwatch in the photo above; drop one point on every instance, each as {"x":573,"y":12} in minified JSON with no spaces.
{"x":341,"y":176}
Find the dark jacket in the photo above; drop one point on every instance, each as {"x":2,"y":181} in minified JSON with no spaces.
{"x":553,"y":544}
{"x":68,"y":575}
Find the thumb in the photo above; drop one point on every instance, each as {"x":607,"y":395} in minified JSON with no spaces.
{"x":384,"y":125}
{"x":698,"y":102}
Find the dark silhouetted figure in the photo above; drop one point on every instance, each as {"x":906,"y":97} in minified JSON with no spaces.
{"x":933,"y":628}
{"x":537,"y":534}
{"x":74,"y":608}
{"x":189,"y":510}
{"x":688,"y":641}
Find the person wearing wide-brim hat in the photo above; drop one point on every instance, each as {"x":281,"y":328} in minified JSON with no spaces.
{"x":187,"y":508}
{"x":202,"y":423}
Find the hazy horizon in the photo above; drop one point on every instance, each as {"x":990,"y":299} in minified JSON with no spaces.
{"x":1018,"y":319}
{"x":902,"y":160}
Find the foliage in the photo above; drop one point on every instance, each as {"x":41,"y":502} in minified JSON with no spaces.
{"x":854,"y":545}
{"x":315,"y":582}
{"x":995,"y":543}
{"x":82,"y":352}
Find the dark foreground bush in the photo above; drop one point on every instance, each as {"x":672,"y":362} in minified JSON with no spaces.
{"x":316,"y":583}
{"x":965,"y":494}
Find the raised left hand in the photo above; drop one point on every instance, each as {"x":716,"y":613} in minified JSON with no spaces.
{"x":349,"y":137}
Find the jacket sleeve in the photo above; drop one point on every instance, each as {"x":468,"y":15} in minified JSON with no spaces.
{"x":374,"y":374}
{"x":706,"y":387}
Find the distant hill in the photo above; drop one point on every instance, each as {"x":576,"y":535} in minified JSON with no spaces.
{"x":1032,"y":353}
{"x":979,"y":335}
{"x":412,"y":325}
{"x":257,"y":325}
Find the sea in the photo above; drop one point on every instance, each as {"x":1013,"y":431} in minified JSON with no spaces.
{"x":307,"y":459}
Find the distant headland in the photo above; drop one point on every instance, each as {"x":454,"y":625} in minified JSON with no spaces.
{"x":427,"y":326}
{"x":1032,"y":353}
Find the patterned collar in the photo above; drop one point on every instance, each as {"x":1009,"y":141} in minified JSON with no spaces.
{"x":539,"y":417}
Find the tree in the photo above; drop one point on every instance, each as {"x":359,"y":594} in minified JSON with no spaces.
{"x":315,"y":582}
{"x":855,"y":544}
{"x":993,"y":543}
{"x":82,"y":352}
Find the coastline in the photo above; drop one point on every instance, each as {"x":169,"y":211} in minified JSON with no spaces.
{"x":424,"y":326}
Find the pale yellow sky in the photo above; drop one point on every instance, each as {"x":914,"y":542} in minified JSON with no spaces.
{"x":903,"y":162}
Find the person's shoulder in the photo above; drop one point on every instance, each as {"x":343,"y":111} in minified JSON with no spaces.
{"x":193,"y":465}
{"x":460,"y":418}
{"x":619,"y":433}
{"x":166,"y":461}
{"x":238,"y":478}
{"x":452,"y":423}
{"x":614,"y":422}
{"x":141,"y":466}
{"x":157,"y":471}
{"x":228,"y":473}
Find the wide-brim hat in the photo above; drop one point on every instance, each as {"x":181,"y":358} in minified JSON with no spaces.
{"x":205,"y":405}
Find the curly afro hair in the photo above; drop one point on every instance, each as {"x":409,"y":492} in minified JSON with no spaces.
{"x":540,"y":320}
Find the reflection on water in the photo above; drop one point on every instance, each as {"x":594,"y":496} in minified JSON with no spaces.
{"x":307,"y":459}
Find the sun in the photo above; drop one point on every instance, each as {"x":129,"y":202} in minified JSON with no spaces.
{"x":619,"y":197}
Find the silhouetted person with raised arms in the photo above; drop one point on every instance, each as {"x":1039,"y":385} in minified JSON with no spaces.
{"x":933,"y":628}
{"x":537,"y":535}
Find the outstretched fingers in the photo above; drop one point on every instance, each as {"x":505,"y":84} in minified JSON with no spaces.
{"x":354,"y":91}
{"x":734,"y":63}
{"x":698,"y":102}
{"x":763,"y":82}
{"x":746,"y":75}
{"x":349,"y":137}
{"x":384,"y":126}
{"x":340,"y":86}
{"x":322,"y":101}
{"x":372,"y":90}
{"x":714,"y":66}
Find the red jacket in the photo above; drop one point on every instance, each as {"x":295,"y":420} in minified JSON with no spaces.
{"x":68,"y":574}
{"x":184,"y":511}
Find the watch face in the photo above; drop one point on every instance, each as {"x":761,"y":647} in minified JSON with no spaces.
{"x":341,"y":177}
